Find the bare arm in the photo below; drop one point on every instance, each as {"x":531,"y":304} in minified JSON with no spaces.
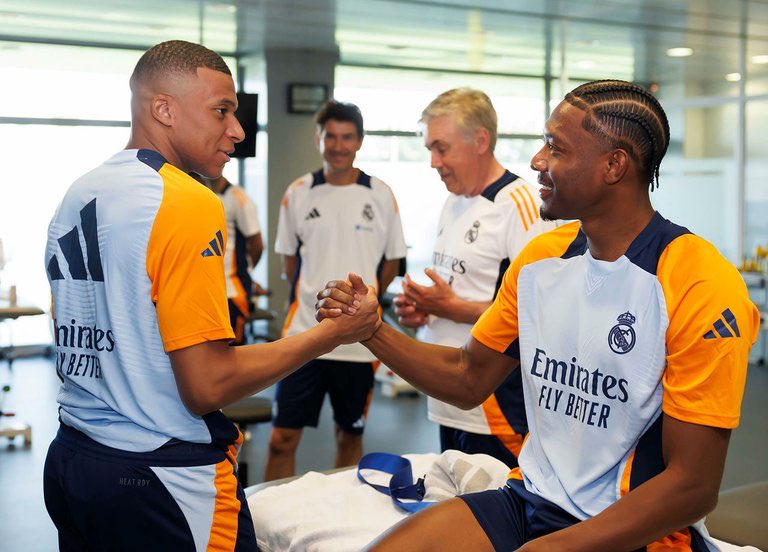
{"x":289,"y":266}
{"x":680,"y":495}
{"x":440,"y":300}
{"x":212,"y":374}
{"x":464,"y":376}
{"x":389,"y":269}
{"x":255,"y":246}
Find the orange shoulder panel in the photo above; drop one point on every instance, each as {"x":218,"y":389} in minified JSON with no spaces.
{"x":712,"y":326}
{"x":185,"y":263}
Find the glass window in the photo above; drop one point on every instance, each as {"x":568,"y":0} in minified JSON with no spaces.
{"x":46,"y":160}
{"x":699,"y":176}
{"x":756,"y":192}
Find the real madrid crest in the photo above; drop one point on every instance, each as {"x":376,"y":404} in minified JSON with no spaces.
{"x":472,"y":233}
{"x":622,"y":337}
{"x":368,"y":212}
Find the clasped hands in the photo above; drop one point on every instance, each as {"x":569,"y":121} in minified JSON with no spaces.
{"x":351,"y":306}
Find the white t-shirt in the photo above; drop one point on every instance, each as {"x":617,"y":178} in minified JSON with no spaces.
{"x":242,"y":223}
{"x":476,"y":240}
{"x":334,"y":230}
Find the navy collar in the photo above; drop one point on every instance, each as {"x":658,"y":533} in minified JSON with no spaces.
{"x":494,"y":188}
{"x":318,"y":178}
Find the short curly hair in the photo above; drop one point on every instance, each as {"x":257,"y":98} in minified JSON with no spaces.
{"x":625,"y":115}
{"x":176,"y":57}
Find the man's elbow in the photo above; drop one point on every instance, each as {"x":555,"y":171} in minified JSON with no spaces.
{"x":472,"y":399}
{"x":201,"y":402}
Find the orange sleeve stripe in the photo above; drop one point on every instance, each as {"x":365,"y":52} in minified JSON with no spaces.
{"x":530,"y":202}
{"x":679,"y":540}
{"x":625,"y":477}
{"x":291,"y":313}
{"x":226,"y":510}
{"x":500,"y":427}
{"x":521,"y":210}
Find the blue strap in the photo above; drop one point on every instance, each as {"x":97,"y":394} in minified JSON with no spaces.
{"x":401,"y":485}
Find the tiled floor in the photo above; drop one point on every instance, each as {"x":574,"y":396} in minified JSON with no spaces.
{"x":394,"y":425}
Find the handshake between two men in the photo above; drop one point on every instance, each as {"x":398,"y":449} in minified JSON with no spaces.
{"x":352,"y":306}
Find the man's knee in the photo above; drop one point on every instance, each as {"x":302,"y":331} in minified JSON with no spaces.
{"x":284,"y":440}
{"x":346,"y":440}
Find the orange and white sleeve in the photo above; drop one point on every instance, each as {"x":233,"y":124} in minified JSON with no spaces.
{"x":712,"y":326}
{"x":185,"y":263}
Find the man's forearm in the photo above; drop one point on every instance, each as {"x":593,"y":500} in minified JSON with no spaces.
{"x":683,"y":493}
{"x":652,"y":511}
{"x":435,"y":370}
{"x":212,"y":374}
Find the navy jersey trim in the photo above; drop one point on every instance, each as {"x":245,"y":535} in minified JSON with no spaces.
{"x":513,"y":350}
{"x":494,"y":188}
{"x":223,"y":431}
{"x":241,"y":262}
{"x":363,"y":179}
{"x":174,"y":453}
{"x":509,"y":395}
{"x":151,"y":158}
{"x":578,"y":246}
{"x":317,"y":178}
{"x":648,"y":461}
{"x":649,"y":244}
{"x":503,"y":266}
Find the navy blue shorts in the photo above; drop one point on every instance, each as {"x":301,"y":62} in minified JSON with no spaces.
{"x":299,"y":397}
{"x":181,"y":497}
{"x":512,"y":516}
{"x":475,"y":443}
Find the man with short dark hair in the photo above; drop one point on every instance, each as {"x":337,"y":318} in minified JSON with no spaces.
{"x":144,"y":459}
{"x":632,"y":336}
{"x":337,"y":218}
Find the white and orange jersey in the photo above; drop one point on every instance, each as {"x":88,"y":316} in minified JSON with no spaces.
{"x":606,"y":347}
{"x":333,"y":230}
{"x":135,"y":263}
{"x":242,"y":223}
{"x":477,"y":238}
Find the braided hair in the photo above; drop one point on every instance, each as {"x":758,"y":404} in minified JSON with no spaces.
{"x":625,"y":115}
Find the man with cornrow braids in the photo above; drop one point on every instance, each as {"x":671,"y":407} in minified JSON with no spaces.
{"x":632,"y":336}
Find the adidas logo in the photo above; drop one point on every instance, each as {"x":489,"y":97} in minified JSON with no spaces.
{"x":720,"y":328}
{"x":215,"y":246}
{"x":314,"y":213}
{"x":360,"y":423}
{"x":73,"y":252}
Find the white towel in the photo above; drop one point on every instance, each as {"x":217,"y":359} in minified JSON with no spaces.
{"x":338,"y":513}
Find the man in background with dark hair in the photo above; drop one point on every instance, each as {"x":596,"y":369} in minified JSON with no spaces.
{"x":144,"y":459}
{"x":335,"y":219}
{"x":632,"y":336}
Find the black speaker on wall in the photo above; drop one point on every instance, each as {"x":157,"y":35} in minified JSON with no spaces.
{"x":247,"y":110}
